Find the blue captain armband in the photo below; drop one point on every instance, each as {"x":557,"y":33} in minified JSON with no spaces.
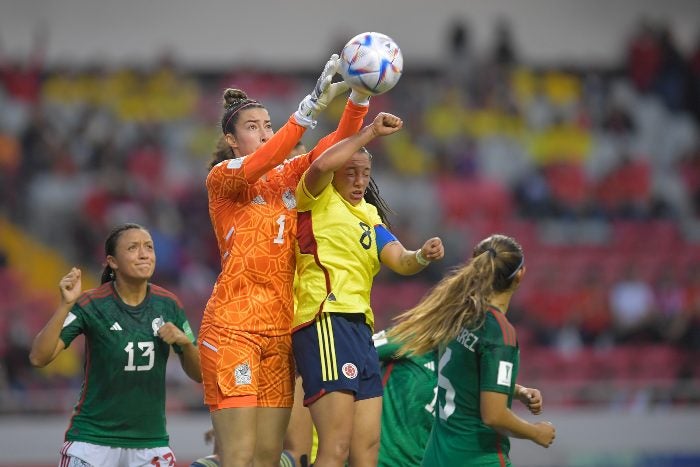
{"x":384,"y":237}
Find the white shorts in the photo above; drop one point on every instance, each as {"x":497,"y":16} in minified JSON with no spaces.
{"x":81,"y":454}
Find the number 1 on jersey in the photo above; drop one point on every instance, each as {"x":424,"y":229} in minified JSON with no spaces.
{"x":279,"y":239}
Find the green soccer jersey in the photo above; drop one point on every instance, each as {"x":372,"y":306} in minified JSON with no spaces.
{"x":408,"y":407}
{"x":485,"y":359}
{"x":122,"y":399}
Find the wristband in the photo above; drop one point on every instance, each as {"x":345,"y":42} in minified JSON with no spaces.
{"x":421,"y":259}
{"x":359,"y":98}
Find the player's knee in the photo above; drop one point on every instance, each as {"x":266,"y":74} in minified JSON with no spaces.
{"x":240,"y":457}
{"x":337,"y":450}
{"x":364,"y":457}
{"x":267,"y":455}
{"x":365,"y":452}
{"x":372,"y":443}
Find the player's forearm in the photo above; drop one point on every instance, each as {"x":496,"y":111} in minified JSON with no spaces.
{"x":44,"y":346}
{"x":273,"y":152}
{"x":508,"y":423}
{"x":190,"y":362}
{"x":409,"y":262}
{"x":400,"y":260}
{"x":350,"y":123}
{"x":337,"y":155}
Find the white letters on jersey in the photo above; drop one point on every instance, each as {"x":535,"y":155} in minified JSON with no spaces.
{"x":467,"y":339}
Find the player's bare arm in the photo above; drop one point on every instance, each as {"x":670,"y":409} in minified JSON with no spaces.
{"x":47,"y":345}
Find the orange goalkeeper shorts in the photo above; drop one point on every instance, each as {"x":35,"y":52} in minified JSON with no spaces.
{"x":241,"y":369}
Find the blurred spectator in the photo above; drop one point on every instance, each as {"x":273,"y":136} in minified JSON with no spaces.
{"x":670,"y":304}
{"x":632,"y":307}
{"x":460,"y":59}
{"x":18,"y":341}
{"x":534,"y":195}
{"x":689,"y":167}
{"x":644,"y":56}
{"x":672,"y":77}
{"x":21,"y":81}
{"x":686,"y":331}
{"x":694,"y":81}
{"x":591,"y":308}
{"x":625,"y":192}
{"x":504,"y":53}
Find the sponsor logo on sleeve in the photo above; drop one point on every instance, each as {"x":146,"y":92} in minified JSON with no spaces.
{"x":505,"y":372}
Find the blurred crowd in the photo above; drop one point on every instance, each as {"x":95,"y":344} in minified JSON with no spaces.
{"x":595,"y":171}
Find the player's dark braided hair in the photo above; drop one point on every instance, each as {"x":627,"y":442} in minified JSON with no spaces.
{"x":234,"y":101}
{"x":111,"y":247}
{"x":373,"y":198}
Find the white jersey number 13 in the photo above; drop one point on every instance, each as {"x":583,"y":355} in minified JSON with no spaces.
{"x":147,"y":350}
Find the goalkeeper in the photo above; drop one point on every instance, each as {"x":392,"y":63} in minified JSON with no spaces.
{"x":247,"y":362}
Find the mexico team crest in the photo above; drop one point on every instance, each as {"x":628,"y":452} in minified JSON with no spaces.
{"x":350,"y":371}
{"x":242,"y":374}
{"x":156,"y":324}
{"x":289,"y":200}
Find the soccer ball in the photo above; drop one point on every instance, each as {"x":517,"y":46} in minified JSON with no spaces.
{"x":371,"y":63}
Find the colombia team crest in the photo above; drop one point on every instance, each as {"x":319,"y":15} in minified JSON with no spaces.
{"x":350,"y":371}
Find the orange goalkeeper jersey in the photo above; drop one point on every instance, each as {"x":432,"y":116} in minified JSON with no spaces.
{"x":255,"y":224}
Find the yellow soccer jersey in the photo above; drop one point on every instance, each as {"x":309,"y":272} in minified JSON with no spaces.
{"x":336,"y":253}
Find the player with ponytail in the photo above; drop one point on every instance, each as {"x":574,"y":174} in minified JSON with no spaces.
{"x":245,"y":335}
{"x":130,"y":326}
{"x":464,"y":316}
{"x":342,"y":240}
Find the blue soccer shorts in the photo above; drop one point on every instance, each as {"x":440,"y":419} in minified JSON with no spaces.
{"x":336,"y":353}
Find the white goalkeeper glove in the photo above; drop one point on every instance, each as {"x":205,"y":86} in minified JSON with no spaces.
{"x":323,"y":93}
{"x":334,"y":90}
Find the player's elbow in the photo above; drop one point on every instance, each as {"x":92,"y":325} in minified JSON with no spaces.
{"x":37,"y":361}
{"x":492,"y":418}
{"x":319,"y":168}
